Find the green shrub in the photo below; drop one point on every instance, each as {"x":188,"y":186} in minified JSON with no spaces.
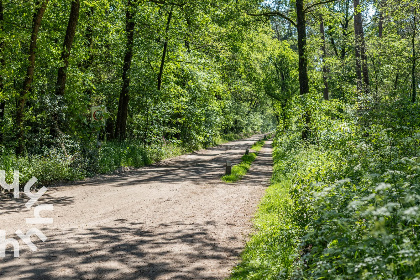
{"x":345,"y":207}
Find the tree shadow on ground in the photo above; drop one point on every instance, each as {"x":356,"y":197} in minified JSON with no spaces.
{"x":205,"y":166}
{"x":128,"y":252}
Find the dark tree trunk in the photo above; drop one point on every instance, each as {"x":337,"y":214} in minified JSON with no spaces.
{"x":303,"y":63}
{"x":333,"y":44}
{"x":87,"y":63}
{"x":165,"y":50}
{"x":413,"y":68}
{"x":303,"y":60}
{"x":397,"y":77}
{"x":89,"y":38}
{"x":360,"y":49}
{"x":381,"y":20}
{"x":121,"y":125}
{"x":68,"y":42}
{"x":2,"y":102}
{"x":188,"y":39}
{"x":36,"y":24}
{"x":345,"y":28}
{"x":324,"y":55}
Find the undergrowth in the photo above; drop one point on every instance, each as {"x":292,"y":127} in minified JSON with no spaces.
{"x":345,"y":206}
{"x":80,"y":161}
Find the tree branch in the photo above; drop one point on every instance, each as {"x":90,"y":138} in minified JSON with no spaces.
{"x":275,"y":13}
{"x":163,"y":2}
{"x":317,"y":4}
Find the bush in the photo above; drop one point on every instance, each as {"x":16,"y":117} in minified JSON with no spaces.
{"x":344,"y":207}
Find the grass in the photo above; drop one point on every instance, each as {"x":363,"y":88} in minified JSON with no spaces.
{"x":239,"y":170}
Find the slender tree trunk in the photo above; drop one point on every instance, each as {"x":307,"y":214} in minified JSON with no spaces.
{"x":165,"y":50}
{"x":36,"y":24}
{"x":381,"y":23}
{"x":413,"y":68}
{"x":303,"y":62}
{"x":324,"y":55}
{"x":189,"y":28}
{"x":381,"y":5}
{"x":89,"y":38}
{"x":361,"y":58}
{"x":333,"y":44}
{"x":87,"y":63}
{"x":2,"y":62}
{"x":68,"y":42}
{"x":397,"y":76}
{"x":121,"y":125}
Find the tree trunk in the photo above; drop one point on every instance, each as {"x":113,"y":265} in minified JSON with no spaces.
{"x":68,"y":42}
{"x":413,"y":68}
{"x":324,"y":55}
{"x":360,"y":49}
{"x":36,"y":24}
{"x":381,"y":19}
{"x":2,"y":102}
{"x":89,"y":38}
{"x":303,"y":62}
{"x":165,"y":50}
{"x":121,"y":125}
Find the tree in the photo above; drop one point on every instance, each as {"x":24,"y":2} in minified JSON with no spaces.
{"x":40,"y":7}
{"x":324,"y":55}
{"x":300,"y":24}
{"x":360,"y":50}
{"x":2,"y":64}
{"x":67,"y":45}
{"x":165,"y":50}
{"x":121,"y":125}
{"x":414,"y":56}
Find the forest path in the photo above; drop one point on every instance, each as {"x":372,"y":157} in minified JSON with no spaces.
{"x":172,"y":220}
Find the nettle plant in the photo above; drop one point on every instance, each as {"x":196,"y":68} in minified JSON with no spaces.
{"x":364,"y":226}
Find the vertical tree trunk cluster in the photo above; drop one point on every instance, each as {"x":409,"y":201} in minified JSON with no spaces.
{"x":121,"y":125}
{"x":40,"y":7}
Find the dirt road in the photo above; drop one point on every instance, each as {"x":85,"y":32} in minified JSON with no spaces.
{"x":174,"y":220}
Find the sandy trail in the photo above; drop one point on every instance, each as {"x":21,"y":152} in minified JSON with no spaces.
{"x":174,"y":220}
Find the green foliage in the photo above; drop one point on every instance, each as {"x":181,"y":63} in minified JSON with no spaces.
{"x":210,"y":87}
{"x":345,"y":207}
{"x":54,"y":165}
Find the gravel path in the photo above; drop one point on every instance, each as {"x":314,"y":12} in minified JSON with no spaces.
{"x":173,"y":220}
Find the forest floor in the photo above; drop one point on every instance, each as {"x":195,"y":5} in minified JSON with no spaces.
{"x":173,"y":220}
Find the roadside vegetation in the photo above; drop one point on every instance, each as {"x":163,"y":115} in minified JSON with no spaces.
{"x":54,"y":166}
{"x":240,"y":170}
{"x":343,"y":206}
